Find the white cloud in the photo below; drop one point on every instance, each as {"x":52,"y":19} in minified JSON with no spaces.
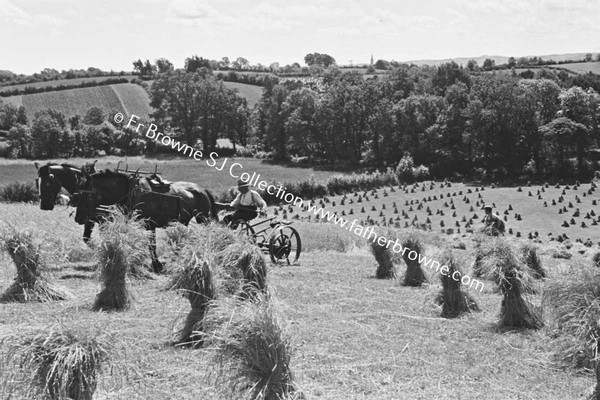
{"x":194,"y":12}
{"x":19,"y":16}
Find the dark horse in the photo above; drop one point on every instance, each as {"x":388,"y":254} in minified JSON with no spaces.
{"x":159,"y":203}
{"x":52,"y":177}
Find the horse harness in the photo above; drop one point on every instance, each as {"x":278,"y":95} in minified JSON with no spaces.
{"x":155,"y":204}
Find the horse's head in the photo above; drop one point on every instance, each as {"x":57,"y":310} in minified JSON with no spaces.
{"x":52,"y":177}
{"x":48,"y":186}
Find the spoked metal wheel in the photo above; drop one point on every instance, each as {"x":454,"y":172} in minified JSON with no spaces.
{"x":284,"y":244}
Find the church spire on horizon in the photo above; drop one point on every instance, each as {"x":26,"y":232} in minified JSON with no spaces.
{"x":371,"y":59}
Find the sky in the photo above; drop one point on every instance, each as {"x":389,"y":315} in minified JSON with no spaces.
{"x":111,"y":34}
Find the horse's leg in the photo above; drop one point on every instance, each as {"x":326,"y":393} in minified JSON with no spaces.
{"x":156,"y":264}
{"x":87,"y":231}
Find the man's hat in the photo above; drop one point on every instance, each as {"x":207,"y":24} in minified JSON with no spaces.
{"x":242,"y":183}
{"x":485,"y":207}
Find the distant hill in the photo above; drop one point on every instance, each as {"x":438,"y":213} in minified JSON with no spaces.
{"x":500,"y":59}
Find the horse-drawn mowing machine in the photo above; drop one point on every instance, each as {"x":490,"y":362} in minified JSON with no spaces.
{"x":273,"y":236}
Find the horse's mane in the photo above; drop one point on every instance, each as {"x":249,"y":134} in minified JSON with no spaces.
{"x":108,"y":173}
{"x":66,"y":165}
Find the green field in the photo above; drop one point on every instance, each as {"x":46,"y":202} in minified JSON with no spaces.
{"x":251,"y":93}
{"x":581,"y":68}
{"x":120,"y":97}
{"x":75,"y":81}
{"x":535,"y":217}
{"x":173,"y":170}
{"x":354,"y":337}
{"x":127,"y":98}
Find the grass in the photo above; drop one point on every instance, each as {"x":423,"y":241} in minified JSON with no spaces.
{"x":252,"y":348}
{"x":31,"y":282}
{"x":535,"y":217}
{"x":23,"y":191}
{"x":122,"y":250}
{"x":353,"y":337}
{"x":217,"y":263}
{"x":573,"y":307}
{"x":127,"y":98}
{"x":251,"y":93}
{"x":582,"y":68}
{"x":414,"y":273}
{"x":196,"y":281}
{"x":135,"y":100}
{"x":74,"y":101}
{"x":385,"y":265}
{"x":75,"y":81}
{"x":174,"y":169}
{"x":533,"y":262}
{"x":454,"y":301}
{"x":501,"y":264}
{"x":63,"y":363}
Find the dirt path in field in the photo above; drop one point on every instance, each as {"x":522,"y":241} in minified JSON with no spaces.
{"x":127,"y":113}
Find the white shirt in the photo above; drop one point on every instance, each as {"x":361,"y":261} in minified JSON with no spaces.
{"x":249,"y":199}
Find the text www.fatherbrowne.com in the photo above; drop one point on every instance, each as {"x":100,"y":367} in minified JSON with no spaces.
{"x":279,"y":192}
{"x":370,"y":234}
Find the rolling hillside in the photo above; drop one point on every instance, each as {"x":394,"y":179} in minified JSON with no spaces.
{"x":581,"y":68}
{"x":75,"y":81}
{"x":124,"y":97}
{"x":251,"y":93}
{"x":127,"y":98}
{"x":499,"y":59}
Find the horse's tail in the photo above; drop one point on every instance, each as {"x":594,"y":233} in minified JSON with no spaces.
{"x":213,"y":205}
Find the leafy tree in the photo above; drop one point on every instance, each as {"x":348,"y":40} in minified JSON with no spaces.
{"x":489,"y":64}
{"x":448,"y":74}
{"x":46,"y":134}
{"x":527,"y":74}
{"x":19,"y":139}
{"x":472,"y":65}
{"x":194,"y":63}
{"x":324,"y":60}
{"x":275,"y":136}
{"x":561,"y":135}
{"x":224,"y":63}
{"x":9,"y":115}
{"x":22,"y":116}
{"x":300,"y":106}
{"x":512,"y":62}
{"x":382,"y":64}
{"x":163,"y":65}
{"x":196,"y":106}
{"x":94,"y":116}
{"x":542,"y":96}
{"x":75,"y":122}
{"x":241,"y":63}
{"x":138,"y":67}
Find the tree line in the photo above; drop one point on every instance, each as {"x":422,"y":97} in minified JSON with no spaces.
{"x":453,"y":121}
{"x":487,"y":125}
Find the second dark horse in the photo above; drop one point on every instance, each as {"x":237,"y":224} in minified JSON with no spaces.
{"x":159,"y":203}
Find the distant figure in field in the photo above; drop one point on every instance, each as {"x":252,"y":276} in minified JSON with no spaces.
{"x":246,"y":205}
{"x":493,"y":224}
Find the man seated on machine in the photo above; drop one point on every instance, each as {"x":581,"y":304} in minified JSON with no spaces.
{"x":246,"y":203}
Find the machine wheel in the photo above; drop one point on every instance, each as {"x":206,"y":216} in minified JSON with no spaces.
{"x":285,"y":244}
